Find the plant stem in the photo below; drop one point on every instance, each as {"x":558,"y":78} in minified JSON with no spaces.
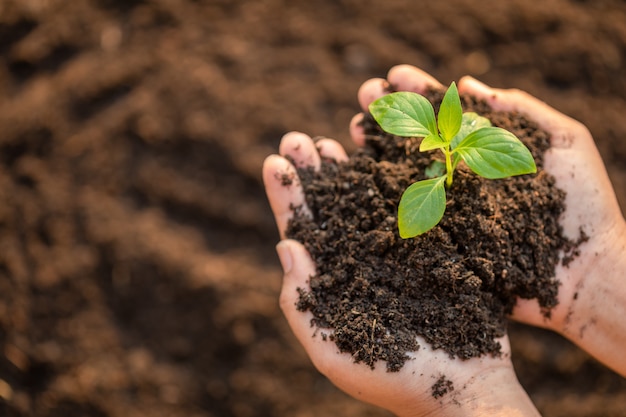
{"x":449,"y":169}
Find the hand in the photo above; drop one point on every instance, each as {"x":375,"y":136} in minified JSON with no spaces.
{"x":591,"y":295}
{"x":482,"y":386}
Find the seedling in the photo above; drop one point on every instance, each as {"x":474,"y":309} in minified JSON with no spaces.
{"x":490,"y":152}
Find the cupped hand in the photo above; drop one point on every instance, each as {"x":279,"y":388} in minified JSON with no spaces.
{"x":591,"y":291}
{"x":485,"y":385}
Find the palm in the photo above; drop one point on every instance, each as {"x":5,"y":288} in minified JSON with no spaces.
{"x":590,"y":213}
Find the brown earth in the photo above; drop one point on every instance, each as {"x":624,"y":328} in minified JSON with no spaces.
{"x":137,"y":270}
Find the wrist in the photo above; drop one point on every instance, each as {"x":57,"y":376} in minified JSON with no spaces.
{"x":494,"y":392}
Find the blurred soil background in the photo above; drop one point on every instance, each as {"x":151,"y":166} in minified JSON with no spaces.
{"x":137,"y":268}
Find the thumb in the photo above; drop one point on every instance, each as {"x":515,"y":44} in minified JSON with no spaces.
{"x":298,"y":267}
{"x":565,"y":131}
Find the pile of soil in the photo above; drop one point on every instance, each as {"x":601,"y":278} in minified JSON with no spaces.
{"x":455,"y":285}
{"x":138,"y":275}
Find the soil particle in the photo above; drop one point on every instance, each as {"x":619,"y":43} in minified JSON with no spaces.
{"x":442,"y":387}
{"x":455,"y":285}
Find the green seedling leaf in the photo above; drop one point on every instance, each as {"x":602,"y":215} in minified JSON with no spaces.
{"x":471,"y":122}
{"x":405,"y":114}
{"x":450,"y":114}
{"x":435,"y":169}
{"x":431,"y":142}
{"x":421,"y":207}
{"x":492,"y":152}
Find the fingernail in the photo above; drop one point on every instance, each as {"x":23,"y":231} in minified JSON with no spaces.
{"x":284,"y":255}
{"x":479,"y":85}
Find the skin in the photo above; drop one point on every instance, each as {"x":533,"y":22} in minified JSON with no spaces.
{"x":590,"y":298}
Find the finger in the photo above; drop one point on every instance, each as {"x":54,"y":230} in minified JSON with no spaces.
{"x":564,"y":130}
{"x":283,"y":190}
{"x":356,"y":130}
{"x":298,"y":267}
{"x":401,"y":78}
{"x":370,"y":90}
{"x":410,"y":78}
{"x":301,"y":149}
{"x":529,"y":312}
{"x":331,"y":149}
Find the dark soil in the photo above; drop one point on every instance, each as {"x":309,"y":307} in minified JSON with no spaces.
{"x":453,"y":286}
{"x":138,"y":275}
{"x":442,"y":387}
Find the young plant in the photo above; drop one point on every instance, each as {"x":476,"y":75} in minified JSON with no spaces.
{"x":490,"y":152}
